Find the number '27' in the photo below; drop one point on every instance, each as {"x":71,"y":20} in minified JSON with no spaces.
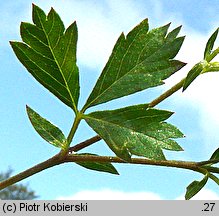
{"x":208,"y":206}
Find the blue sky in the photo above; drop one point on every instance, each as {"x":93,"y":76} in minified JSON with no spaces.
{"x":99,"y":25}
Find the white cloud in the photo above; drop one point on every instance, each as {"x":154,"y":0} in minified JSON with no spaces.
{"x":204,"y":194}
{"x":108,"y":194}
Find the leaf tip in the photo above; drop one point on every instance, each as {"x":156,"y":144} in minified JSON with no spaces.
{"x":168,"y":25}
{"x":145,"y":21}
{"x":34,"y":7}
{"x":184,"y":88}
{"x":115,"y":172}
{"x":52,"y":10}
{"x":27,"y":107}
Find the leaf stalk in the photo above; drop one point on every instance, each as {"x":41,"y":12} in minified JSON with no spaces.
{"x":73,"y":130}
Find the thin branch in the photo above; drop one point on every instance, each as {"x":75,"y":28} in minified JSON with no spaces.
{"x":59,"y":159}
{"x":211,"y":169}
{"x":208,"y":162}
{"x":53,"y":161}
{"x":167,"y":94}
{"x":84,"y":144}
{"x":167,"y":163}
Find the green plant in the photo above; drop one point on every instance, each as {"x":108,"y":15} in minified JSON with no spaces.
{"x":140,"y":60}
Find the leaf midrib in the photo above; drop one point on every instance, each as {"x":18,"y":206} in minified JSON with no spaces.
{"x":127,"y":128}
{"x":50,"y":134}
{"x":39,"y":53}
{"x":50,"y":47}
{"x":95,"y":99}
{"x":45,"y":73}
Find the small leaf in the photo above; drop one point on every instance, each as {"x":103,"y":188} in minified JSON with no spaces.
{"x":205,"y":65}
{"x":49,"y":53}
{"x":135,"y":130}
{"x":195,"y":187}
{"x":46,"y":130}
{"x":98,"y":166}
{"x":213,"y":160}
{"x":215,"y":155}
{"x":193,"y":73}
{"x":141,"y":60}
{"x":210,"y":45}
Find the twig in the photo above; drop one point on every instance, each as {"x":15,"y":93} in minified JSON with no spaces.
{"x":58,"y":159}
{"x":168,"y":93}
{"x":202,"y":163}
{"x":84,"y":144}
{"x":53,"y":161}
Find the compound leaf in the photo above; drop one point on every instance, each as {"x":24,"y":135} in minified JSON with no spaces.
{"x":195,"y":187}
{"x":141,"y":60}
{"x":135,"y":130}
{"x":46,"y":130}
{"x":98,"y":166}
{"x":49,"y":53}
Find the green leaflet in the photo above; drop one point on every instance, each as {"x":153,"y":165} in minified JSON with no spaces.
{"x":193,"y":73}
{"x":46,"y":130}
{"x":214,"y":158}
{"x":204,"y":65}
{"x":141,"y":60}
{"x":98,"y":166}
{"x":210,"y":45}
{"x":135,"y":130}
{"x":215,"y":155}
{"x":49,"y":54}
{"x":195,"y":187}
{"x":200,"y":68}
